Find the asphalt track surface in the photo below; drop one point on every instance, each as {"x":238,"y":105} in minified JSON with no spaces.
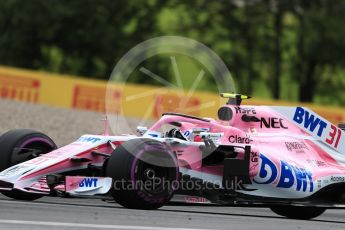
{"x":62,"y":213}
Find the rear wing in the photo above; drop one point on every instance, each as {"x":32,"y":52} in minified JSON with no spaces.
{"x":315,"y":125}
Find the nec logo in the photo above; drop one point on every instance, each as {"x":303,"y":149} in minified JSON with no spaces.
{"x":273,"y":123}
{"x":88,"y":183}
{"x":309,"y":121}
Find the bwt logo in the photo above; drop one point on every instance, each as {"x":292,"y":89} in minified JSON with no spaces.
{"x":89,"y":139}
{"x":317,"y":126}
{"x":309,"y":121}
{"x":288,"y":176}
{"x":88,"y":183}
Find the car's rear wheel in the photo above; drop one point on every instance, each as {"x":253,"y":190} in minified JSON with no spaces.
{"x":300,"y":213}
{"x":19,"y":145}
{"x":145,"y":173}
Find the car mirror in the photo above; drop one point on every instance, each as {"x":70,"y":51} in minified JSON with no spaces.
{"x":142,"y":130}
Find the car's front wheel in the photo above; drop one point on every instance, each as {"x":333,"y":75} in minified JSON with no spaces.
{"x":19,"y":145}
{"x":145,"y":173}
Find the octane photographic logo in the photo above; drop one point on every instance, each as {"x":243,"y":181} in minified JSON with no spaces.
{"x":189,"y":66}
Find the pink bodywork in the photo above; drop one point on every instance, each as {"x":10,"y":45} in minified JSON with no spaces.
{"x":273,"y":136}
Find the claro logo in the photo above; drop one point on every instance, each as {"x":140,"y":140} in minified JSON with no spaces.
{"x":240,"y":140}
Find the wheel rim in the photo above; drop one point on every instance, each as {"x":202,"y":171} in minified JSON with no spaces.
{"x":154,"y":180}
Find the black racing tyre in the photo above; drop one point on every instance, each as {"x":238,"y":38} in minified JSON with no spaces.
{"x":15,"y":148}
{"x":145,"y":174}
{"x":300,"y":213}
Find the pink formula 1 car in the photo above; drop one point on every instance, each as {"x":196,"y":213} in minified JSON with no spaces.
{"x":288,"y":159}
